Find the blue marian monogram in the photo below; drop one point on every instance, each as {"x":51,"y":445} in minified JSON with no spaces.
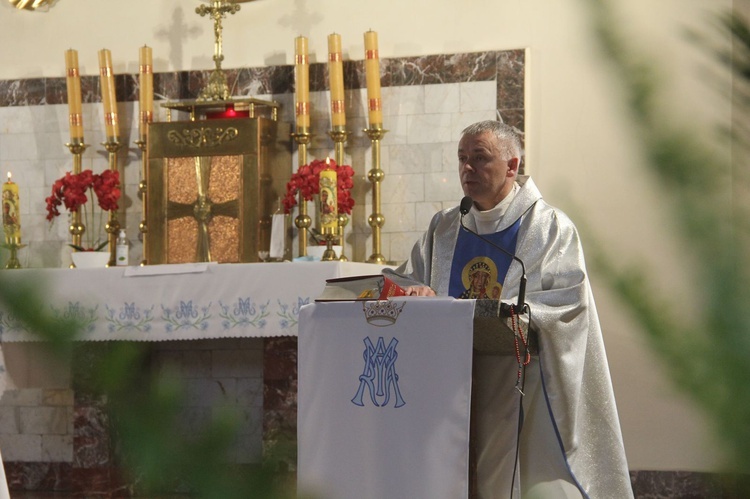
{"x":379,"y":376}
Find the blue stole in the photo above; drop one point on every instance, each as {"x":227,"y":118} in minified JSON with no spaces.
{"x":478,"y":270}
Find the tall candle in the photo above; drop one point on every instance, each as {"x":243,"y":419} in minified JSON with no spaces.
{"x":336,"y":76}
{"x":109,"y":98}
{"x":73,"y":83}
{"x":372,"y":75}
{"x":328,"y":199}
{"x":146,"y":90}
{"x":301,"y":82}
{"x":11,"y":212}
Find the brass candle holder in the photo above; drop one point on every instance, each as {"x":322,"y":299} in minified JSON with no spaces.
{"x":303,"y":221}
{"x":13,"y":246}
{"x":112,"y":145}
{"x":329,"y":254}
{"x":143,"y":226}
{"x":339,"y":135}
{"x":76,"y":228}
{"x":376,"y":220}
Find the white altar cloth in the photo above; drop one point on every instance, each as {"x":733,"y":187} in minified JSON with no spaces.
{"x":156,"y":304}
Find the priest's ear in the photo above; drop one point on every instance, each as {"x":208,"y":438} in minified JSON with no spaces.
{"x":513,"y":164}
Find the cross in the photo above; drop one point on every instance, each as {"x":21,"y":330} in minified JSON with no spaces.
{"x":217,"y":88}
{"x":203,"y":209}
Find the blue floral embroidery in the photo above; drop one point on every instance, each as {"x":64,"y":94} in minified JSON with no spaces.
{"x":243,"y":313}
{"x":9,"y":322}
{"x":85,"y":316}
{"x":290,"y":314}
{"x":187,"y":316}
{"x":129,"y":318}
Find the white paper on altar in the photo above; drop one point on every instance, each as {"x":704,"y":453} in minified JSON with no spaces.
{"x":278,"y":236}
{"x":196,"y":301}
{"x":417,"y":450}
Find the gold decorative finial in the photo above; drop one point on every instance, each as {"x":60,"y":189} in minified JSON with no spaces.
{"x":217,"y":88}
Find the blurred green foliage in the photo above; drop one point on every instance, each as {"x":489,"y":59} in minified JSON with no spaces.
{"x":144,"y":411}
{"x":708,"y":357}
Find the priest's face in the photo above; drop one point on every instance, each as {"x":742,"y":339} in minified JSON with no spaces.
{"x":486,"y":175}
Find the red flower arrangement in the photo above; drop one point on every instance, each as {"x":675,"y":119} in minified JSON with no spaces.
{"x":306,"y":180}
{"x":71,"y":191}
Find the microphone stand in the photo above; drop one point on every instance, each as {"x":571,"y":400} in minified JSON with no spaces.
{"x":507,"y":311}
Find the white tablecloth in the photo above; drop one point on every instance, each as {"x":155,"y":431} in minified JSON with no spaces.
{"x":206,"y":301}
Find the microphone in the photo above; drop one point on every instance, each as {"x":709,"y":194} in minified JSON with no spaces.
{"x":464,"y":208}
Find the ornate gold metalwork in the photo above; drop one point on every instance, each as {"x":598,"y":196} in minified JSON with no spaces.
{"x":217,"y":88}
{"x":198,"y":109}
{"x":205,"y":136}
{"x":203,"y":209}
{"x":376,"y":220}
{"x":214,"y":204}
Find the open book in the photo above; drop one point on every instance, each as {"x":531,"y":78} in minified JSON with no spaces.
{"x":363,"y":287}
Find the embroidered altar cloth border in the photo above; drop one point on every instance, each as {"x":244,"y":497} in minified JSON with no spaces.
{"x":208,"y":302}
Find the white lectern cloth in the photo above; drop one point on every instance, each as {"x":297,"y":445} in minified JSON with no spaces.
{"x":369,"y":451}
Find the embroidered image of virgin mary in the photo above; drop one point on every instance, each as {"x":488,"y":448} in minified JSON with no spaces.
{"x":479,"y":277}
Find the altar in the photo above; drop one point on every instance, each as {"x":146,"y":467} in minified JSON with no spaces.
{"x":178,"y":302}
{"x":229,"y":330}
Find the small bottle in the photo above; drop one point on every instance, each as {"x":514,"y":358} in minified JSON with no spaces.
{"x":121,"y":249}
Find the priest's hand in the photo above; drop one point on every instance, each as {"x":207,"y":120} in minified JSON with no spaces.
{"x":419,"y":291}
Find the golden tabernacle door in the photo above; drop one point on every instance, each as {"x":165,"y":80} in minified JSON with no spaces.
{"x":212,"y":187}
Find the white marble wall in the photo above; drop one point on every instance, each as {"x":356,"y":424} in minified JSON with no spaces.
{"x":418,"y":158}
{"x":36,"y":407}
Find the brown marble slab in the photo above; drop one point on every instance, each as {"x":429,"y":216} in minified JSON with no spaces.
{"x":507,"y":67}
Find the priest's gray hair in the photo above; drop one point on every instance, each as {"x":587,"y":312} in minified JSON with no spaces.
{"x":508,"y":138}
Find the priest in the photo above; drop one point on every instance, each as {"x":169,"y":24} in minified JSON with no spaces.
{"x":555,"y":431}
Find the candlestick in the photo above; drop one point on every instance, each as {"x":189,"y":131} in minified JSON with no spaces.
{"x":336,"y":77}
{"x":146,"y":91}
{"x":13,"y":261}
{"x":303,"y":220}
{"x":76,"y":228}
{"x":109,"y":98}
{"x":372,"y":75}
{"x":73,"y":83}
{"x":339,"y":135}
{"x":301,"y":83}
{"x":11,"y":212}
{"x":142,"y":190}
{"x":376,"y":220}
{"x":112,"y":145}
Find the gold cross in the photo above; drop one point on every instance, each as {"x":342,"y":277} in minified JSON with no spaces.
{"x":202,"y":209}
{"x":217,"y":88}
